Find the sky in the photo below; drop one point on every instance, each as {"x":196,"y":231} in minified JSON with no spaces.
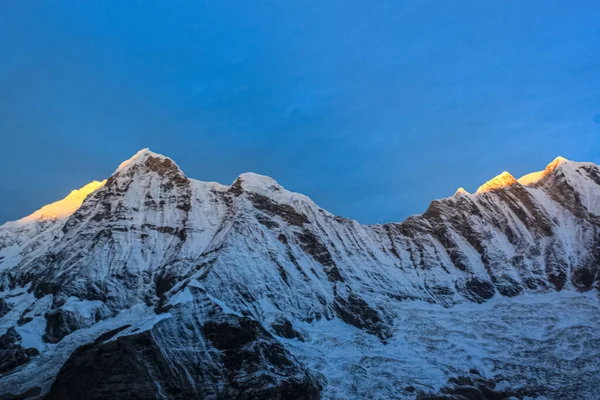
{"x":371,"y":108}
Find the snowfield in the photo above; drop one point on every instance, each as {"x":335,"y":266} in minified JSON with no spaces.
{"x":548,"y":344}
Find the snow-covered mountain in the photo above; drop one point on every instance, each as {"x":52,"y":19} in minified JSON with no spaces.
{"x":154,"y":285}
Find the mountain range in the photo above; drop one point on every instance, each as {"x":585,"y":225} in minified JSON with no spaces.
{"x":150,"y":284}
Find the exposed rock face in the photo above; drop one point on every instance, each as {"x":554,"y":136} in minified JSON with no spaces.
{"x":225,"y":357}
{"x":220,"y":287}
{"x":61,"y":322}
{"x":4,"y":308}
{"x":283,"y":327}
{"x":12,"y":354}
{"x":472,"y":387}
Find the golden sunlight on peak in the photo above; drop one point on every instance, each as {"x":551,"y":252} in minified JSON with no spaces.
{"x":461,"y":190}
{"x":534,"y":177}
{"x":500,"y":181}
{"x":137,"y":155}
{"x":65,"y":207}
{"x":555,"y":163}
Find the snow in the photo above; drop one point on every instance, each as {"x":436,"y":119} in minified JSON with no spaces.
{"x":531,"y":178}
{"x":534,"y":177}
{"x":139,"y":158}
{"x":267,"y":186}
{"x":85,"y":308}
{"x":224,"y":307}
{"x":231,"y":259}
{"x":260,"y":184}
{"x":503,"y":180}
{"x":139,"y":323}
{"x":185,"y":296}
{"x":432,"y":344}
{"x":577,"y":177}
{"x":60,"y":209}
{"x":32,"y":332}
{"x":20,"y":300}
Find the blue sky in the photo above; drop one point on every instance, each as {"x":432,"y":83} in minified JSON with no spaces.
{"x":372,"y":108}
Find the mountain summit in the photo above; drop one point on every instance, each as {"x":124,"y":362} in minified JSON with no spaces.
{"x":140,"y":158}
{"x":154,"y":285}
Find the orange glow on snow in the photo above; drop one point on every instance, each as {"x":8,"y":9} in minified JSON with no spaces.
{"x":65,"y":207}
{"x":501,"y":181}
{"x":536,"y":176}
{"x":505,"y":179}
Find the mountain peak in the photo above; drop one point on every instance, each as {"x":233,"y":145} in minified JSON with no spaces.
{"x":555,"y":163}
{"x":146,"y":162}
{"x":461,"y":190}
{"x":534,"y":177}
{"x":65,"y":207}
{"x":503,"y":180}
{"x":140,"y":157}
{"x":259,"y":184}
{"x":266,"y":186}
{"x":253,"y":182}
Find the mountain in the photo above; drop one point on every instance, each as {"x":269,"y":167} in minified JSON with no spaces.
{"x":154,"y":285}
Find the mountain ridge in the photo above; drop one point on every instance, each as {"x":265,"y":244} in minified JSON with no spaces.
{"x":495,"y":183}
{"x":157,"y":255}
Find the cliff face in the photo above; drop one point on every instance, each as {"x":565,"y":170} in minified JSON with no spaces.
{"x":197,"y":289}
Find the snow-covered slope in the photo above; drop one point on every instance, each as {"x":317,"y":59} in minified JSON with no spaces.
{"x":197,"y":289}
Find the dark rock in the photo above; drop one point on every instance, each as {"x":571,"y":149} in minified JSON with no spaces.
{"x":247,"y":348}
{"x":123,"y":369}
{"x":179,"y":232}
{"x":285,"y":211}
{"x":12,"y":354}
{"x":243,"y":362}
{"x":229,"y":336}
{"x":439,"y":290}
{"x":164,"y":282}
{"x":284,"y":328}
{"x":236,"y":188}
{"x":28,"y":394}
{"x":471,"y":388}
{"x":282,"y":238}
{"x":266,"y":221}
{"x":356,"y":312}
{"x":44,"y":287}
{"x":107,"y":335}
{"x":319,"y":252}
{"x":507,"y":286}
{"x":60,"y":323}
{"x":584,"y":278}
{"x":282,"y":273}
{"x":4,"y":308}
{"x":24,"y":319}
{"x":477,"y":290}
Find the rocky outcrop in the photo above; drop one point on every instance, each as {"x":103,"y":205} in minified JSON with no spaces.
{"x":227,"y":357}
{"x":12,"y":354}
{"x":473,"y":387}
{"x":283,"y":327}
{"x":4,"y":308}
{"x":62,"y":322}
